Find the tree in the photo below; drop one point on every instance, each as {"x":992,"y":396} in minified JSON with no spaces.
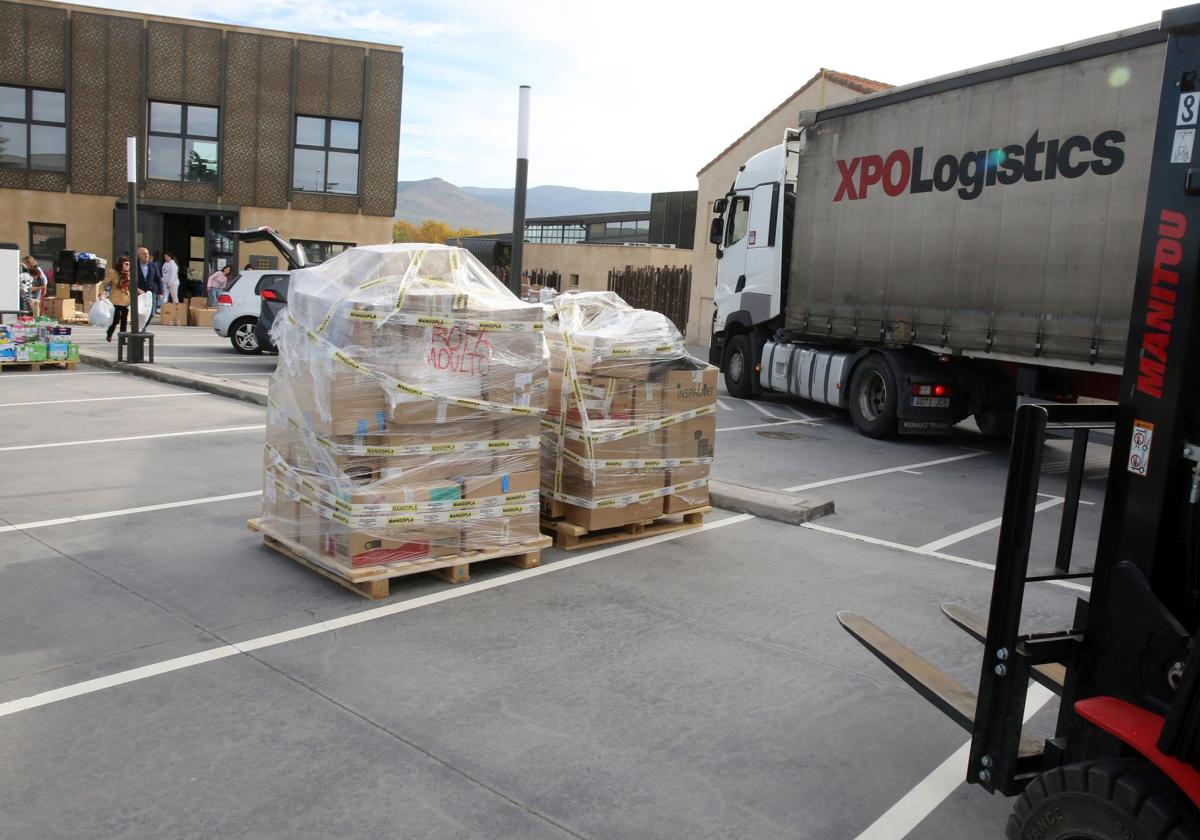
{"x":430,"y":230}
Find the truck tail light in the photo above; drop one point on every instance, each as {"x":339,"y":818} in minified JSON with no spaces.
{"x":225,"y":300}
{"x":932,"y":390}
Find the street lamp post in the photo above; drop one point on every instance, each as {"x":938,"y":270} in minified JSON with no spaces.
{"x":518,"y":225}
{"x":133,"y":336}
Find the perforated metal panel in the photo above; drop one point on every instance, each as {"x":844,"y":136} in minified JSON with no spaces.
{"x":273,"y":123}
{"x":381,"y":141}
{"x":123,"y":67}
{"x":89,"y":96}
{"x":46,"y":36}
{"x":164,"y":62}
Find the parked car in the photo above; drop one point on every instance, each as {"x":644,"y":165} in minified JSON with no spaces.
{"x":240,"y":307}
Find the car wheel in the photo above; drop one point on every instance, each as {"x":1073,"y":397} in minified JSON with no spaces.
{"x":243,"y":339}
{"x":873,"y":398}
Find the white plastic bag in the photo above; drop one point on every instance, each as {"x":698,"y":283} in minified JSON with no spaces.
{"x":101,"y":313}
{"x":145,"y":309}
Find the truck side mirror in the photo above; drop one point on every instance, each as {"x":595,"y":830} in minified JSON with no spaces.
{"x":716,"y":230}
{"x":720,"y":206}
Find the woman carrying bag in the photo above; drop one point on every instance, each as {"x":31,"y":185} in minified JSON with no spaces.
{"x":118,"y":295}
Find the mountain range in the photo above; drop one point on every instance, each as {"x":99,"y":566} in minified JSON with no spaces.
{"x":489,"y":209}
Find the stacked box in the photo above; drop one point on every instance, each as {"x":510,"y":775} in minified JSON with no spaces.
{"x":174,"y":315}
{"x":404,"y":422}
{"x":200,"y":316}
{"x":631,"y":417}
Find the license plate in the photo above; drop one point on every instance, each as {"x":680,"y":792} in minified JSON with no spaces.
{"x":931,"y":402}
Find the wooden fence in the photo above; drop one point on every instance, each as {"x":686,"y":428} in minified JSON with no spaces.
{"x":664,"y":289}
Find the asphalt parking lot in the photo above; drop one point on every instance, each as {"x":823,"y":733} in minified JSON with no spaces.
{"x":164,"y":675}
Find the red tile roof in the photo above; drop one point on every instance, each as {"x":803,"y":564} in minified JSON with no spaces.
{"x":846,"y":80}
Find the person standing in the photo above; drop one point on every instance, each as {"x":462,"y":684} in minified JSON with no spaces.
{"x":216,"y":282}
{"x":37,"y":285}
{"x":170,"y":278}
{"x":118,"y":295}
{"x":149,"y":280}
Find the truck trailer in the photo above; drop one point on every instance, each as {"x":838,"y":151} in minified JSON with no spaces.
{"x":944,"y":249}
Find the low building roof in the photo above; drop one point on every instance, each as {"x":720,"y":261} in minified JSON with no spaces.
{"x":846,"y":80}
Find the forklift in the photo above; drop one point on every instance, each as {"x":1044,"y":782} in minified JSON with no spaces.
{"x":1124,"y":761}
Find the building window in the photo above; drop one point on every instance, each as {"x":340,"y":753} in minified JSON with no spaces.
{"x":182,"y":145}
{"x":33,"y":129}
{"x":318,"y":252}
{"x":326,"y":156}
{"x":45,"y":241}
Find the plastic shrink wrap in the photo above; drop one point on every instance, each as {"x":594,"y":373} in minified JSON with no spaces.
{"x":631,"y":426}
{"x":404,"y":413}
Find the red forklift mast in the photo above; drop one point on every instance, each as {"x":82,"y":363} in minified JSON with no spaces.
{"x":1124,"y":756}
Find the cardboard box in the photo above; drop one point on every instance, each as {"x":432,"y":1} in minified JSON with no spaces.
{"x":612,"y":517}
{"x":174,"y":315}
{"x":484,"y":486}
{"x":391,"y":545}
{"x":517,"y":385}
{"x":60,"y":309}
{"x":198,"y":302}
{"x":343,"y":403}
{"x":687,"y":499}
{"x":201,"y":317}
{"x":691,"y":439}
{"x":57,"y":351}
{"x":685,"y":390}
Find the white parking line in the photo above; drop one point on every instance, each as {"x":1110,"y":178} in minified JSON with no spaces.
{"x":982,"y":528}
{"x":106,"y":399}
{"x":45,"y":698}
{"x":897,"y":821}
{"x":912,"y":549}
{"x":761,"y":410}
{"x":721,"y":405}
{"x":903,"y":468}
{"x":108,"y":514}
{"x":766,"y":425}
{"x":133,"y":437}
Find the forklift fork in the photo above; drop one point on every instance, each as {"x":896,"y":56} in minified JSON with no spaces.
{"x":1005,"y":757}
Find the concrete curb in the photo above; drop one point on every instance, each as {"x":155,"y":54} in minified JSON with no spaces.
{"x":177,"y":376}
{"x":767,"y":504}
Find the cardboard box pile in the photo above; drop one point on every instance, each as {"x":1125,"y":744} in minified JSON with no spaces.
{"x":37,"y":340}
{"x":404,"y":416}
{"x":174,"y":315}
{"x":631,"y":425}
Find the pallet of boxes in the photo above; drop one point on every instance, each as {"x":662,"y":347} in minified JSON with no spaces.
{"x":404,"y":419}
{"x":630,"y":432}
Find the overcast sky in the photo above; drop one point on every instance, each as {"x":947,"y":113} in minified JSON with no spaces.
{"x":640,"y":95}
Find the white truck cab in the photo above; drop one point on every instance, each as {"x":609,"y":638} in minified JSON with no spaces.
{"x":749,"y":231}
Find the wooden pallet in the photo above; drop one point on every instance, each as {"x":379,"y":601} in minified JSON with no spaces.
{"x":69,"y":365}
{"x":569,"y":536}
{"x":374,"y":581}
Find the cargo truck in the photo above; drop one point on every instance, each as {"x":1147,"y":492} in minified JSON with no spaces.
{"x":939,"y":250}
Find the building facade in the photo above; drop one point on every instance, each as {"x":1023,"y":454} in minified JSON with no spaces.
{"x":827,"y":87}
{"x":236,"y":128}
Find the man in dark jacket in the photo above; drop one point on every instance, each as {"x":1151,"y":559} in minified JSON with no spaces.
{"x":149,"y":279}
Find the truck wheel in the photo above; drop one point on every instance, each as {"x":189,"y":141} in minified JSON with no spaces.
{"x":739,"y":368}
{"x":1102,"y":800}
{"x":996,"y":422}
{"x":873,"y":398}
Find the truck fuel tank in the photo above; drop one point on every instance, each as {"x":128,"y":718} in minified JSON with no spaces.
{"x":806,"y":372}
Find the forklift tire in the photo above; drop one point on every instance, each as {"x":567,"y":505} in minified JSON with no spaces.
{"x":1125,"y":799}
{"x":739,"y":367}
{"x":873,"y":398}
